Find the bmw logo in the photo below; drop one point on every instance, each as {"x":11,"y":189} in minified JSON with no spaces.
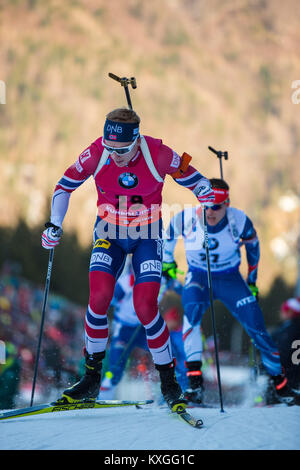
{"x":212,"y":243}
{"x":128,"y":180}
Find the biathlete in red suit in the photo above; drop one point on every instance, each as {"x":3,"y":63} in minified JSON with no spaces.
{"x":129,"y":170}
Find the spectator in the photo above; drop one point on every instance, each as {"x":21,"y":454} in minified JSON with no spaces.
{"x":285,"y":336}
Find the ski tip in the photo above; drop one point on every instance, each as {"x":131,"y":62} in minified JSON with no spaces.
{"x":190,"y":419}
{"x":199,"y":423}
{"x":140,"y":404}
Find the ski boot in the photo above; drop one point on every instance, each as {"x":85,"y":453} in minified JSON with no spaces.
{"x":278,"y":391}
{"x":87,"y":389}
{"x":170,"y":388}
{"x":194,"y":393}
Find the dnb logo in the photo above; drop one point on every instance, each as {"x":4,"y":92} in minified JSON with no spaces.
{"x":128,"y":180}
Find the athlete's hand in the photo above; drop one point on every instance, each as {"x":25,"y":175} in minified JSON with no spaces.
{"x":51,"y":236}
{"x":254,"y":290}
{"x":170,"y":270}
{"x":205,"y":194}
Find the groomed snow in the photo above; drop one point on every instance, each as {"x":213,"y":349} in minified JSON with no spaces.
{"x":153,"y":428}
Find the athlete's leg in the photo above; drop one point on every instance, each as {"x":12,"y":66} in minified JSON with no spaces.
{"x":233,"y":291}
{"x":178,"y":351}
{"x":147,"y":265}
{"x":147,"y":262}
{"x":192,"y":341}
{"x":107,"y":261}
{"x":244,"y":306}
{"x":195,"y":303}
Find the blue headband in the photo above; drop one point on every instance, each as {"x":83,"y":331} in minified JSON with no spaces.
{"x":120,"y":131}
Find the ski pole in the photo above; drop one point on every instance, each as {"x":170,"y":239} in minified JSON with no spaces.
{"x":220,"y":155}
{"x":46,"y":292}
{"x":211,"y":301}
{"x":254,"y":360}
{"x":125,"y":82}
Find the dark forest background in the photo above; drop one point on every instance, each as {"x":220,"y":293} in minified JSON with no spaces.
{"x":21,"y":246}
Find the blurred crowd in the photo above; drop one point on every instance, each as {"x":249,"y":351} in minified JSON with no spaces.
{"x":20,"y":320}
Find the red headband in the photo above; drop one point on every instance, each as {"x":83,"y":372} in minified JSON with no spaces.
{"x":292,"y":304}
{"x":221,"y":195}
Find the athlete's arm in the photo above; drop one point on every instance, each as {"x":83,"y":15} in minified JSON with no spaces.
{"x":169,"y":162}
{"x":250,"y":240}
{"x":73,"y":177}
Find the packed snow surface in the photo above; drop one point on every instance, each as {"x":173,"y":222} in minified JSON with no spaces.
{"x":155,"y":428}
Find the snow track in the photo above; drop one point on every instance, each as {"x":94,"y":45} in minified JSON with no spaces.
{"x":153,"y":428}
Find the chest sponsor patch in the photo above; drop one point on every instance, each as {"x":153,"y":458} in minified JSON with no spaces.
{"x":128,"y":180}
{"x":213,"y":244}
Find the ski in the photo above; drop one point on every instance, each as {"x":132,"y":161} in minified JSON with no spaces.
{"x":190,"y":419}
{"x":180,"y":410}
{"x":81,"y":405}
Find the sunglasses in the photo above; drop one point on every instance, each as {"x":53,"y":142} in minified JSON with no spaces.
{"x":120,"y":150}
{"x":215,"y":207}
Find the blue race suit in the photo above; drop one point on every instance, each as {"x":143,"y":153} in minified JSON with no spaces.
{"x":224,"y":241}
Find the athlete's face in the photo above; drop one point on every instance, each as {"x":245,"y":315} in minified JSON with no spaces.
{"x":124,"y":159}
{"x":213,"y":217}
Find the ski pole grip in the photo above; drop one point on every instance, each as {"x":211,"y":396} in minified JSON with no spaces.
{"x":133,"y":82}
